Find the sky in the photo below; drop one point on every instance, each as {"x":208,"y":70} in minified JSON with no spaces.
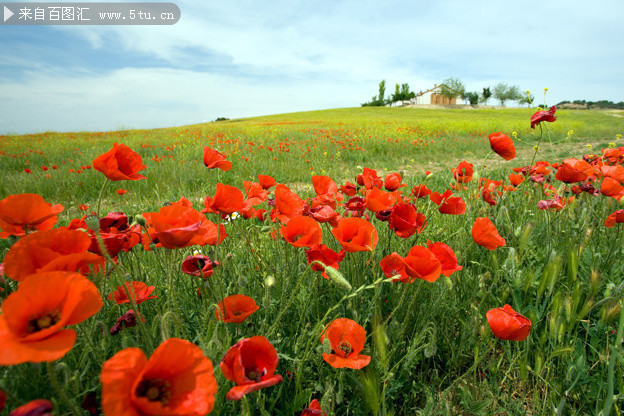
{"x":241,"y":58}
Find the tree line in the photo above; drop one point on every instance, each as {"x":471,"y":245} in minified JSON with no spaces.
{"x":594,"y":104}
{"x":454,"y":88}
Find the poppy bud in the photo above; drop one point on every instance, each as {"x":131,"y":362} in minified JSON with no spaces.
{"x":93,"y":222}
{"x":337,"y":277}
{"x":269,"y":280}
{"x":140,"y":219}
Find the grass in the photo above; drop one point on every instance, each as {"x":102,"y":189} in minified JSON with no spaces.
{"x":432,"y":350}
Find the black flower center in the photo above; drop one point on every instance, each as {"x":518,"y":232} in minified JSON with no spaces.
{"x":345,"y":347}
{"x":43,"y":322}
{"x":154,"y":390}
{"x":255,"y":374}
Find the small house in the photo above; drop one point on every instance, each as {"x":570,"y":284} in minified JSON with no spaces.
{"x":433,"y":96}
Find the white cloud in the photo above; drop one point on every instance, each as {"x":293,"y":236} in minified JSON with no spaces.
{"x":154,"y":97}
{"x":245,"y":57}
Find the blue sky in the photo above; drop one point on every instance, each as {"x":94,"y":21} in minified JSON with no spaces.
{"x":244,"y":58}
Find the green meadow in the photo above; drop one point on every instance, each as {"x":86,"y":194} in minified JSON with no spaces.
{"x":432,"y":350}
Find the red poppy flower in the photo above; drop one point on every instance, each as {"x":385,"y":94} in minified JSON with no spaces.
{"x":177,"y":225}
{"x":38,"y":407}
{"x":266,"y":181}
{"x":227,"y":199}
{"x":314,"y":409}
{"x":254,"y":194}
{"x":288,"y":204}
{"x":615,"y":172}
{"x":26,"y":212}
{"x":324,"y":185}
{"x":114,"y":231}
{"x":378,"y":200}
{"x":392,"y":182}
{"x":515,"y":179}
{"x":485,"y":234}
{"x":356,"y":203}
{"x":356,"y":234}
{"x":614,"y":155}
{"x":177,"y":380}
{"x":139,"y":290}
{"x":616,"y":217}
{"x":573,"y":170}
{"x":302,"y":232}
{"x":251,"y":365}
{"x":446,"y":256}
{"x":611,"y":187}
{"x":421,"y":263}
{"x":508,"y":324}
{"x":502,"y":145}
{"x":214,"y":159}
{"x":369,"y":179}
{"x":348,"y":189}
{"x":548,"y":115}
{"x":325,"y":255}
{"x":447,"y":203}
{"x":420,"y":191}
{"x":393,"y":265}
{"x":555,"y":204}
{"x":121,"y":191}
{"x":324,"y":213}
{"x":463,"y":172}
{"x":26,"y":170}
{"x":127,"y":320}
{"x":235,"y":309}
{"x":487,"y":196}
{"x":199,"y":265}
{"x":33,"y":317}
{"x":346,"y":338}
{"x":120,"y":164}
{"x":406,"y":221}
{"x":52,"y":250}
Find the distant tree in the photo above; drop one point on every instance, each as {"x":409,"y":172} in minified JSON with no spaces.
{"x":378,"y":101}
{"x":402,"y":93}
{"x":504,"y":92}
{"x":527,"y":99}
{"x":382,"y":91}
{"x":452,"y":88}
{"x":472,"y":97}
{"x":397,"y":94}
{"x":486,"y":95}
{"x":406,"y":93}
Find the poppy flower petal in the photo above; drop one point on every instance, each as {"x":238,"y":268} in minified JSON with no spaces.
{"x":190,"y":374}
{"x":485,"y":234}
{"x":13,"y":351}
{"x":356,"y":362}
{"x":117,"y":377}
{"x":237,"y":392}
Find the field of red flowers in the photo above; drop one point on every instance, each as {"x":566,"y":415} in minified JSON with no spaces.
{"x":352,"y":262}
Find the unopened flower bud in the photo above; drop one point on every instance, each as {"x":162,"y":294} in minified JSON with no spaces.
{"x":93,"y":222}
{"x":337,"y":277}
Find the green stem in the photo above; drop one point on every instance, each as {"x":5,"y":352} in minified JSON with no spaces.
{"x":538,"y":145}
{"x":614,"y":349}
{"x":321,"y":323}
{"x":99,"y":202}
{"x":59,"y":390}
{"x":283,"y":310}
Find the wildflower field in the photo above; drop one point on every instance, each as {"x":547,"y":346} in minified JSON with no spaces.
{"x":365,"y":261}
